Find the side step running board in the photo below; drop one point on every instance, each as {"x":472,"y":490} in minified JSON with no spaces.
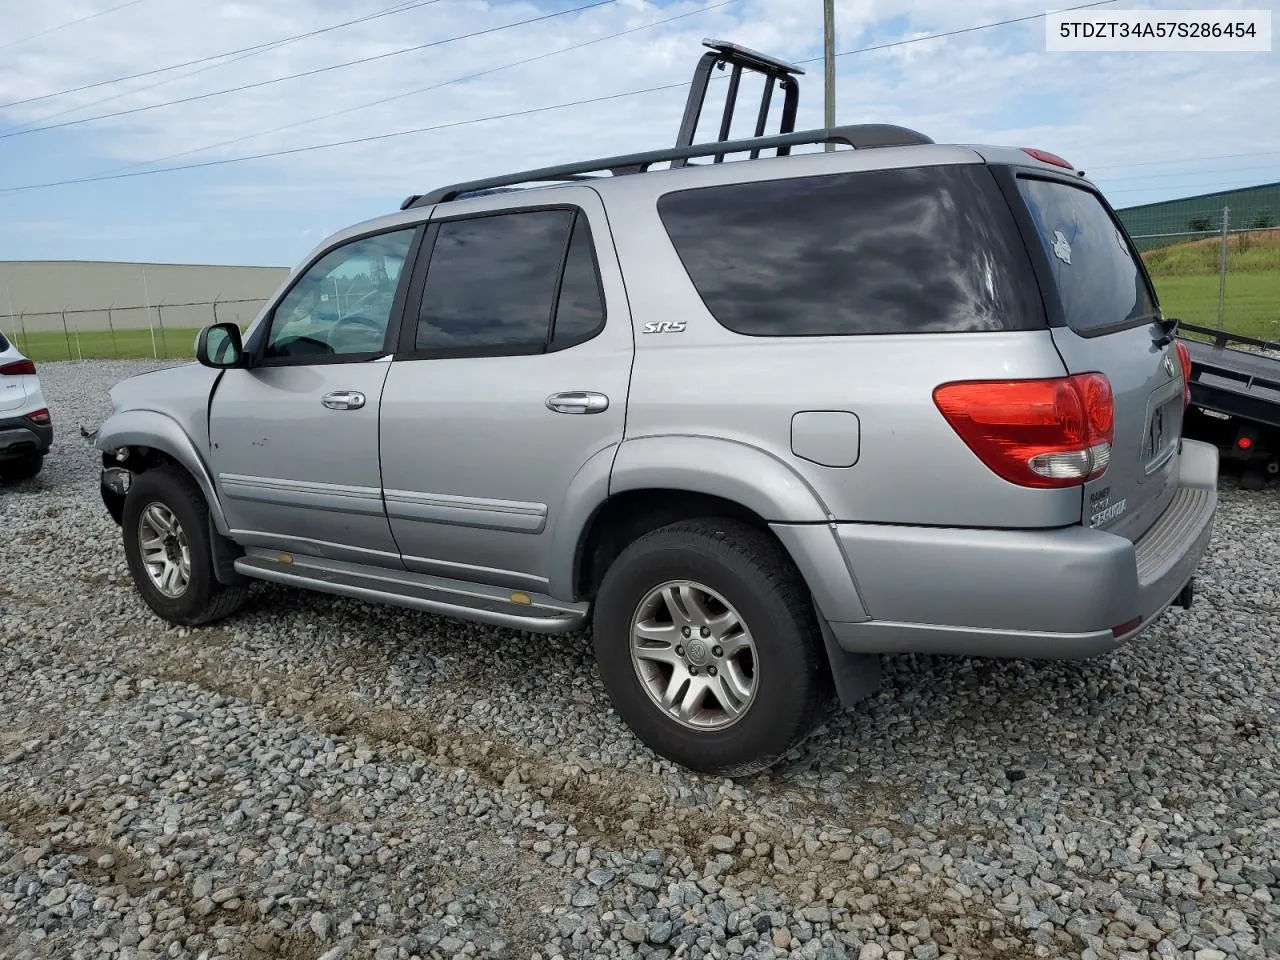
{"x":497,"y":606}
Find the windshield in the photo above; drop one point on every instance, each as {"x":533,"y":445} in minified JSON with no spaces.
{"x":1100,"y":283}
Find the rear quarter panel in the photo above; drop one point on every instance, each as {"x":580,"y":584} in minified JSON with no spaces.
{"x":708,"y":381}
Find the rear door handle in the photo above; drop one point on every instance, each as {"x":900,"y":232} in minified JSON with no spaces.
{"x":343,"y":400}
{"x":578,"y":401}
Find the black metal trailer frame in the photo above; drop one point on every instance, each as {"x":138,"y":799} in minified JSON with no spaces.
{"x":1235,"y":398}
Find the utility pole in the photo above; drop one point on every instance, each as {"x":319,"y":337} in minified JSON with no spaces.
{"x":829,"y":66}
{"x":1222,"y":264}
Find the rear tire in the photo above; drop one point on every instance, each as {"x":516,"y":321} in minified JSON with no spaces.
{"x":165,"y":524}
{"x":755,"y":708}
{"x":1253,"y":478}
{"x":21,"y":468}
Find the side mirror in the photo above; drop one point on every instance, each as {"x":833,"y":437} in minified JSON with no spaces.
{"x":219,"y":346}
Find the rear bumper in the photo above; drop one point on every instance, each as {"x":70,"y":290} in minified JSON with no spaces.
{"x":1056,"y":594}
{"x":19,"y":436}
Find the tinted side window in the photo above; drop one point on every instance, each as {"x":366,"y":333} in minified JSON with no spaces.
{"x":926,"y":250}
{"x":4,"y":344}
{"x":491,"y":282}
{"x":1098,"y":280}
{"x":580,"y":310}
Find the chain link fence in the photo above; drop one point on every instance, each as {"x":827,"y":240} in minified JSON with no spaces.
{"x":1213,"y":270}
{"x":1219,"y":271}
{"x":158,"y":331}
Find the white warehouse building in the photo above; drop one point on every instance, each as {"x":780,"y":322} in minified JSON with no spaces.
{"x":96,"y":295}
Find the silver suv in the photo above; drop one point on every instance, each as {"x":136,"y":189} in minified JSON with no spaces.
{"x":753,"y":422}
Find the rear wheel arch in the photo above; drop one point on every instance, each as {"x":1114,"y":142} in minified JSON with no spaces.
{"x":627,"y":516}
{"x":651,"y":481}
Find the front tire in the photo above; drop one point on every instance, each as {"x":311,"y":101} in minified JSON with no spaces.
{"x":165,"y":523}
{"x":709,"y":646}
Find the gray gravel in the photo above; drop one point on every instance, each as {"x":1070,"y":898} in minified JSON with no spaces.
{"x":322,"y":778}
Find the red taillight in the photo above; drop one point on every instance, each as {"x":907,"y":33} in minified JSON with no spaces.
{"x":40,"y":417}
{"x":1184,"y":356}
{"x":1245,"y":443}
{"x":1035,"y":433}
{"x":1047,"y":157}
{"x":19,"y":368}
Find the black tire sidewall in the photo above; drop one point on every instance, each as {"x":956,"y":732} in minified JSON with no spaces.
{"x":165,"y":486}
{"x":19,"y":469}
{"x":787,"y":680}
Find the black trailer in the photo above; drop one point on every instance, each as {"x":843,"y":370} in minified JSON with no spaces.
{"x":1235,"y":399}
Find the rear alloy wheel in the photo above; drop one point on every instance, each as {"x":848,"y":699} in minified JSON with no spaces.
{"x":693,"y":655}
{"x":165,"y":523}
{"x":709,"y":646}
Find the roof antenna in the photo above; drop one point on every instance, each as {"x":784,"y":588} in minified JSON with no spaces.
{"x":776,"y":72}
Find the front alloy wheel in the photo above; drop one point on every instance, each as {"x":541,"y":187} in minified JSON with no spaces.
{"x":165,"y":551}
{"x":165,"y":525}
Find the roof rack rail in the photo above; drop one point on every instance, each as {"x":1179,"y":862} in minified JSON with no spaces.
{"x":859,"y":136}
{"x":776,"y":72}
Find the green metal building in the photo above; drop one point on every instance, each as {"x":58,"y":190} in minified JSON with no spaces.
{"x":1178,"y":221}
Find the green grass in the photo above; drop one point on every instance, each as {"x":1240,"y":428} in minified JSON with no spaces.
{"x":1251,"y":305}
{"x":1246,"y":253}
{"x":99,"y":344}
{"x":1186,"y":278}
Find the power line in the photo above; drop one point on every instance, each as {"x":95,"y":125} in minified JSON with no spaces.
{"x":1221,"y":156}
{"x":305,"y":73}
{"x":69,"y":23}
{"x":355,"y":140}
{"x":1226,"y":186}
{"x":458,"y":123}
{"x":1274,"y":169}
{"x":398,"y":8}
{"x":434,"y":86}
{"x":261,"y":48}
{"x":956,"y":33}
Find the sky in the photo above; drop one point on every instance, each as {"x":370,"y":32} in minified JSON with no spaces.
{"x":1144,"y":126}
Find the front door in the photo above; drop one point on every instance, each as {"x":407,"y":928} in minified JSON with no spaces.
{"x":294,"y":438}
{"x":509,"y":388}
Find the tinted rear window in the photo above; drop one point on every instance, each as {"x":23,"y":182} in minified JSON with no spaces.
{"x":4,"y":344}
{"x":926,"y":250}
{"x":491,"y":281}
{"x":1098,"y":280}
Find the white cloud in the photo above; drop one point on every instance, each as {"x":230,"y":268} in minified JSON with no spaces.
{"x":988,"y":86}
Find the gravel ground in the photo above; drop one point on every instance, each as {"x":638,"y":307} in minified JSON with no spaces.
{"x":322,"y":778}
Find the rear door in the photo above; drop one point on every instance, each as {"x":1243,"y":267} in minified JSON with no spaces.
{"x":1107,"y":312}
{"x":508,"y":393}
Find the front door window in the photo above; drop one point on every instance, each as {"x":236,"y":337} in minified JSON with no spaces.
{"x":342,"y":304}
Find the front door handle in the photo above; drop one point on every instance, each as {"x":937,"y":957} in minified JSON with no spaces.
{"x":343,"y":400}
{"x":578,"y":401}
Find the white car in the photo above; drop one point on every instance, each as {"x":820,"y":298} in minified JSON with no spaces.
{"x":26,"y":429}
